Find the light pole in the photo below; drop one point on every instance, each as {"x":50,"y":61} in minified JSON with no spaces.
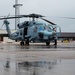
{"x":17,"y":12}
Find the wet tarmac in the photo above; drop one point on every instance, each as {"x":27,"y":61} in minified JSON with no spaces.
{"x":37,"y":59}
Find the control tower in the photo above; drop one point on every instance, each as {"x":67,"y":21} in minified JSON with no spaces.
{"x":17,"y":12}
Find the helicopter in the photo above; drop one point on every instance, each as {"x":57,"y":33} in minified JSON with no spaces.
{"x":33,"y":31}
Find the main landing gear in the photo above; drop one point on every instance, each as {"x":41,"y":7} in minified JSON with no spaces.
{"x":26,"y":42}
{"x":22,"y":43}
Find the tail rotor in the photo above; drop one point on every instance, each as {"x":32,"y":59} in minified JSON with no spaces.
{"x":4,"y":21}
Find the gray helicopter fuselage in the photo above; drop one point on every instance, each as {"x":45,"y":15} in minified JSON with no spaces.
{"x":33,"y":31}
{"x":37,"y":31}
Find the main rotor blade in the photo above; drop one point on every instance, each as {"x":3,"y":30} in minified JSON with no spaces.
{"x":18,"y":16}
{"x":9,"y":18}
{"x":68,"y":17}
{"x":21,"y":16}
{"x":48,"y":21}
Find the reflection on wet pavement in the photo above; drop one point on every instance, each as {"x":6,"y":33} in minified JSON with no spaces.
{"x":51,"y":67}
{"x":37,"y":59}
{"x":36,"y":67}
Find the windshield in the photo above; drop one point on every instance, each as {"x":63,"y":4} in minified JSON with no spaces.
{"x":45,"y":27}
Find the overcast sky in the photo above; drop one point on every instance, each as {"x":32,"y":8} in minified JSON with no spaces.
{"x":50,"y":8}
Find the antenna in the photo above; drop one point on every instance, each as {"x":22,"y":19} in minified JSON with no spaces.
{"x":17,"y":12}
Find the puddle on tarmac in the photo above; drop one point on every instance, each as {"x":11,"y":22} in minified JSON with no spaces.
{"x":35,"y":63}
{"x":51,"y":67}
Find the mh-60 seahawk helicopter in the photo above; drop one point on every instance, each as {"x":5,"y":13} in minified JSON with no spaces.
{"x":34,"y":30}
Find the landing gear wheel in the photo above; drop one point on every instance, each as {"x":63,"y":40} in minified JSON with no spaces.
{"x":27,"y":42}
{"x":55,"y":42}
{"x":21,"y":43}
{"x":47,"y":43}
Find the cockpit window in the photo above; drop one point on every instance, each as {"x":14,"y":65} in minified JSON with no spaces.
{"x":45,"y":27}
{"x":41,"y":28}
{"x":49,"y":27}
